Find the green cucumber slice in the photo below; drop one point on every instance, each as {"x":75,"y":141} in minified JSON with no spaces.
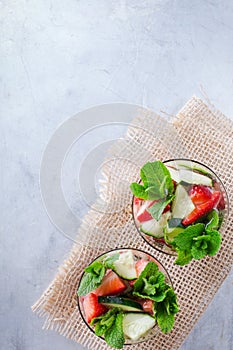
{"x":136,"y":325}
{"x":188,"y":164}
{"x":182,"y":204}
{"x":155,"y":228}
{"x":190,"y":177}
{"x":175,"y":222}
{"x":170,"y":234}
{"x":122,"y":303}
{"x":125,"y":266}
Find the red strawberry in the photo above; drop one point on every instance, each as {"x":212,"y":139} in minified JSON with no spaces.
{"x":131,"y":283}
{"x":221,"y":204}
{"x":174,"y":183}
{"x":143,"y":214}
{"x":110,"y":285}
{"x":136,"y":201}
{"x":147,"y":305}
{"x":140,"y":265}
{"x":91,"y":307}
{"x":200,"y":194}
{"x":167,"y":208}
{"x":202,"y":209}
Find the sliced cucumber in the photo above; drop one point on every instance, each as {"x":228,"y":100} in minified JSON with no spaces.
{"x":182,"y":204}
{"x":125,"y":266}
{"x":136,"y":325}
{"x":190,"y":177}
{"x":170,"y":234}
{"x":175,"y":222}
{"x":188,"y":164}
{"x":155,"y":228}
{"x":123,"y":303}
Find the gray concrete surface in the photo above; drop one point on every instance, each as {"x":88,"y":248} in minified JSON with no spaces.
{"x":60,"y":57}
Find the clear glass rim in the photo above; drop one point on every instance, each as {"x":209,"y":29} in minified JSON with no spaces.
{"x":98,"y":257}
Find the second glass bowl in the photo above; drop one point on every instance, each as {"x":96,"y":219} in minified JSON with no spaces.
{"x":138,"y":256}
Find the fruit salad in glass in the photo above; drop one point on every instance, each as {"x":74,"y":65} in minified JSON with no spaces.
{"x":125,"y":296}
{"x":178,"y":207}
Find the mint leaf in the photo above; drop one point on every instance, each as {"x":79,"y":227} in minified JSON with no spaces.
{"x":110,"y":325}
{"x":109,"y":262}
{"x":213,"y":219}
{"x":198,"y":253}
{"x":157,"y":180}
{"x":165,"y":321}
{"x":157,"y":208}
{"x":184,"y":257}
{"x":196,"y":242}
{"x":184,"y":240}
{"x":114,"y":336}
{"x":139,"y":190}
{"x":95,"y":268}
{"x":92,"y":278}
{"x":214,"y":243}
{"x":151,"y":283}
{"x":165,"y":311}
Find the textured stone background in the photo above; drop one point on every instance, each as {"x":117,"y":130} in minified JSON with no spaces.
{"x":60,"y":57}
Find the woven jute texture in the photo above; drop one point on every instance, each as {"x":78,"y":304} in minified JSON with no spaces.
{"x":198,"y":132}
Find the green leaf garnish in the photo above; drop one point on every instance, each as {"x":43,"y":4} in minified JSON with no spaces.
{"x":184,"y":257}
{"x":165,"y":311}
{"x":184,"y":240}
{"x":109,"y":261}
{"x":151,"y":283}
{"x":157,"y":208}
{"x":213,"y":220}
{"x":139,"y":190}
{"x":196,"y":242}
{"x":214,"y":243}
{"x":110,"y":325}
{"x":157,"y":182}
{"x":92,"y":278}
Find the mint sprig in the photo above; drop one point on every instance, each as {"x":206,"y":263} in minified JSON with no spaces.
{"x":157,"y":185}
{"x":151,"y":283}
{"x":157,"y":209}
{"x":92,"y":278}
{"x":94,"y":274}
{"x":213,"y":218}
{"x":196,"y":242}
{"x":165,"y":311}
{"x":157,"y":182}
{"x":110,"y":325}
{"x":109,"y":261}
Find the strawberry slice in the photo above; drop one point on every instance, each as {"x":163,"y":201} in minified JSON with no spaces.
{"x":147,"y":305}
{"x":143,"y":214}
{"x":140,"y":265}
{"x":137,"y":201}
{"x":167,"y":208}
{"x":131,"y":283}
{"x":110,"y":285}
{"x":200,"y":194}
{"x":92,"y":308}
{"x":202,"y":209}
{"x":221,"y":204}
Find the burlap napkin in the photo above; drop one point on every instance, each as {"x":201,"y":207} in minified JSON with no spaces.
{"x":198,"y":132}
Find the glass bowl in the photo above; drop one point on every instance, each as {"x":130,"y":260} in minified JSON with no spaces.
{"x":138,"y":254}
{"x":194,"y":168}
